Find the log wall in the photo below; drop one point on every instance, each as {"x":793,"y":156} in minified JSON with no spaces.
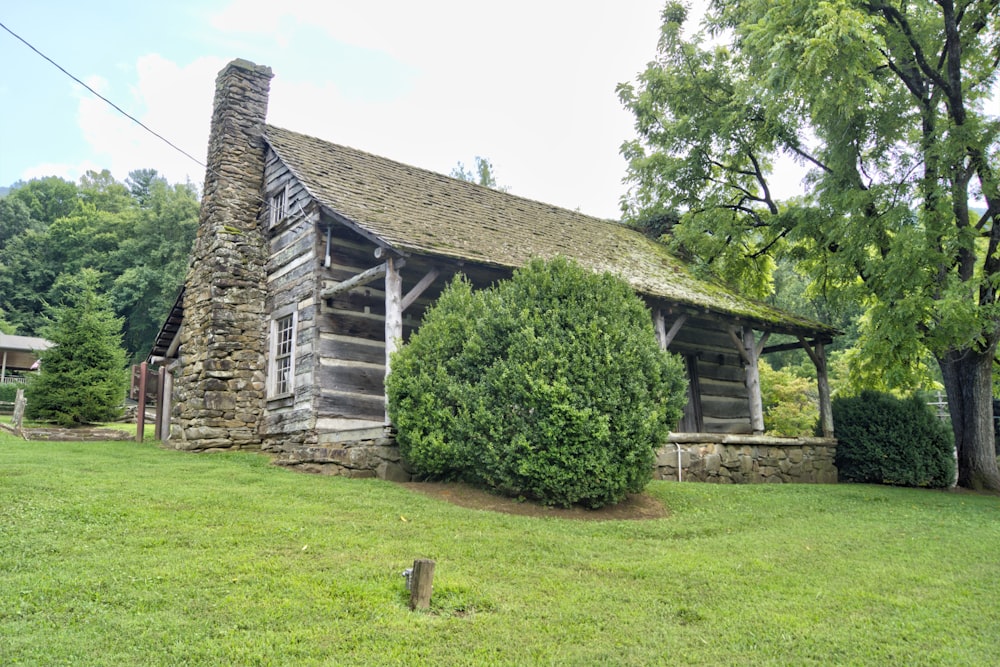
{"x":290,"y":419}
{"x":725,"y":406}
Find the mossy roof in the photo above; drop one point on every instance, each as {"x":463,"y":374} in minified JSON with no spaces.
{"x":418,"y":211}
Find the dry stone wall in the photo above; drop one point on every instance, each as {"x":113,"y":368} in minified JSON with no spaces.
{"x":749,"y":460}
{"x":714,"y":458}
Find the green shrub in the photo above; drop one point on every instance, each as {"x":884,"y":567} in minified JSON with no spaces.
{"x":8,"y":391}
{"x":886,"y":440}
{"x":789,"y":401}
{"x":549,"y":386}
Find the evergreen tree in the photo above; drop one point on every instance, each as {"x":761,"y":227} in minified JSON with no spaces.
{"x":83,"y":376}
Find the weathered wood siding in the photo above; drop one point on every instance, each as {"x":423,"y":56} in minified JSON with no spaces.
{"x":351,"y":357}
{"x":725,"y":406}
{"x":291,"y":286}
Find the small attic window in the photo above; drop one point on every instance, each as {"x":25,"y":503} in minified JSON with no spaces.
{"x":278,"y":206}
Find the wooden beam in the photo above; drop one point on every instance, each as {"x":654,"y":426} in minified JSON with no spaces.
{"x":161,"y":427}
{"x":760,"y":344}
{"x":140,"y":415}
{"x":756,"y":398}
{"x":660,"y":325}
{"x":362,"y":278}
{"x":748,"y":347}
{"x":784,"y":347}
{"x":174,"y":343}
{"x":668,"y":336}
{"x":393,"y":315}
{"x":818,"y":356}
{"x":738,"y":344}
{"x":674,"y":329}
{"x":419,"y":288}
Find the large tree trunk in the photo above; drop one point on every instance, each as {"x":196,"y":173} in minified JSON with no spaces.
{"x":968,"y":377}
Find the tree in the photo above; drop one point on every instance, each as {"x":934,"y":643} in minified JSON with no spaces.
{"x":154,"y":257}
{"x":47,"y":198}
{"x":15,"y":219}
{"x":82,"y":377}
{"x":886,"y":103}
{"x":483,"y":174}
{"x":138,"y":238}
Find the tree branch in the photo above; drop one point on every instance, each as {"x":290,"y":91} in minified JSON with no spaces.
{"x":893,"y":16}
{"x":771,"y":206}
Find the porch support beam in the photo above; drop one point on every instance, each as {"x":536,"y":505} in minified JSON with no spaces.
{"x":748,"y":348}
{"x":664,"y":336}
{"x":393,"y":315}
{"x":419,"y":288}
{"x":362,"y":278}
{"x":818,"y":355}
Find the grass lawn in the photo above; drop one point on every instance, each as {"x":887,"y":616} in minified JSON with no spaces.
{"x":126,"y":554}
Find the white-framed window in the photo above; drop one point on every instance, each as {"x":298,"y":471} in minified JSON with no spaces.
{"x":278,"y":206}
{"x":281,"y":379}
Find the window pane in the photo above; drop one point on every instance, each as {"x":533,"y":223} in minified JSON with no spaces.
{"x":284,"y":346}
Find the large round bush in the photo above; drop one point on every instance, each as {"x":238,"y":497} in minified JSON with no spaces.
{"x":882,"y":439}
{"x":549,"y":386}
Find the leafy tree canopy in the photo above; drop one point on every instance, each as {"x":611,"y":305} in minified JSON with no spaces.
{"x":137,"y":236}
{"x":886,"y":104}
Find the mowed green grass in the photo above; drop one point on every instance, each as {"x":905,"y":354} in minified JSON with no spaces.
{"x":128,"y":554}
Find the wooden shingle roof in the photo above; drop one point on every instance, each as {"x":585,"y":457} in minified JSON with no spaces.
{"x":417,"y":211}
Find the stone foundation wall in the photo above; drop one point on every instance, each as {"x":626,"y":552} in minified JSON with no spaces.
{"x":370,"y":454}
{"x":747,"y":459}
{"x":726,"y":459}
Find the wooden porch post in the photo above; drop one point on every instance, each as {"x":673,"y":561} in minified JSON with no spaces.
{"x":393,"y":315}
{"x":663,"y":335}
{"x":750,"y":349}
{"x":818,"y":356}
{"x":753,"y":383}
{"x":140,"y":414}
{"x":164,"y":385}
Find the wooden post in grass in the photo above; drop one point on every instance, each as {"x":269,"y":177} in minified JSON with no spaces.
{"x":18,"y":418}
{"x":140,"y":415}
{"x":421,"y":581}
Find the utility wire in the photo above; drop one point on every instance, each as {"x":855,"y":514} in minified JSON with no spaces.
{"x":125,"y":113}
{"x":102,"y":97}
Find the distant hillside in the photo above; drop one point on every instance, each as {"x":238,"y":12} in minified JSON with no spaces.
{"x":4,"y":191}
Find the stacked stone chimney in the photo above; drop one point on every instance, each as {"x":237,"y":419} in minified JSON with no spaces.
{"x":219,"y":390}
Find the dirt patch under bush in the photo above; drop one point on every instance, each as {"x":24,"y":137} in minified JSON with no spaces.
{"x":635,"y":507}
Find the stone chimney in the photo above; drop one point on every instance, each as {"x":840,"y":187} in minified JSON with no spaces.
{"x":219,"y":389}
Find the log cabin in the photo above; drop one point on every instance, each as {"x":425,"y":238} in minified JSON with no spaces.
{"x":314,"y":261}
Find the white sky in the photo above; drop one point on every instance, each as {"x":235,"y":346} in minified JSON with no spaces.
{"x":530,"y":85}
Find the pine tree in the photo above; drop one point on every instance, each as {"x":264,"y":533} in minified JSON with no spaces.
{"x":83,"y":376}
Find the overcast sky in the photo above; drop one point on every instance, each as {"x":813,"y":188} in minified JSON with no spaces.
{"x":529,"y":85}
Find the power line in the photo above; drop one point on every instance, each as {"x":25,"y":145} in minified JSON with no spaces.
{"x":102,"y":97}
